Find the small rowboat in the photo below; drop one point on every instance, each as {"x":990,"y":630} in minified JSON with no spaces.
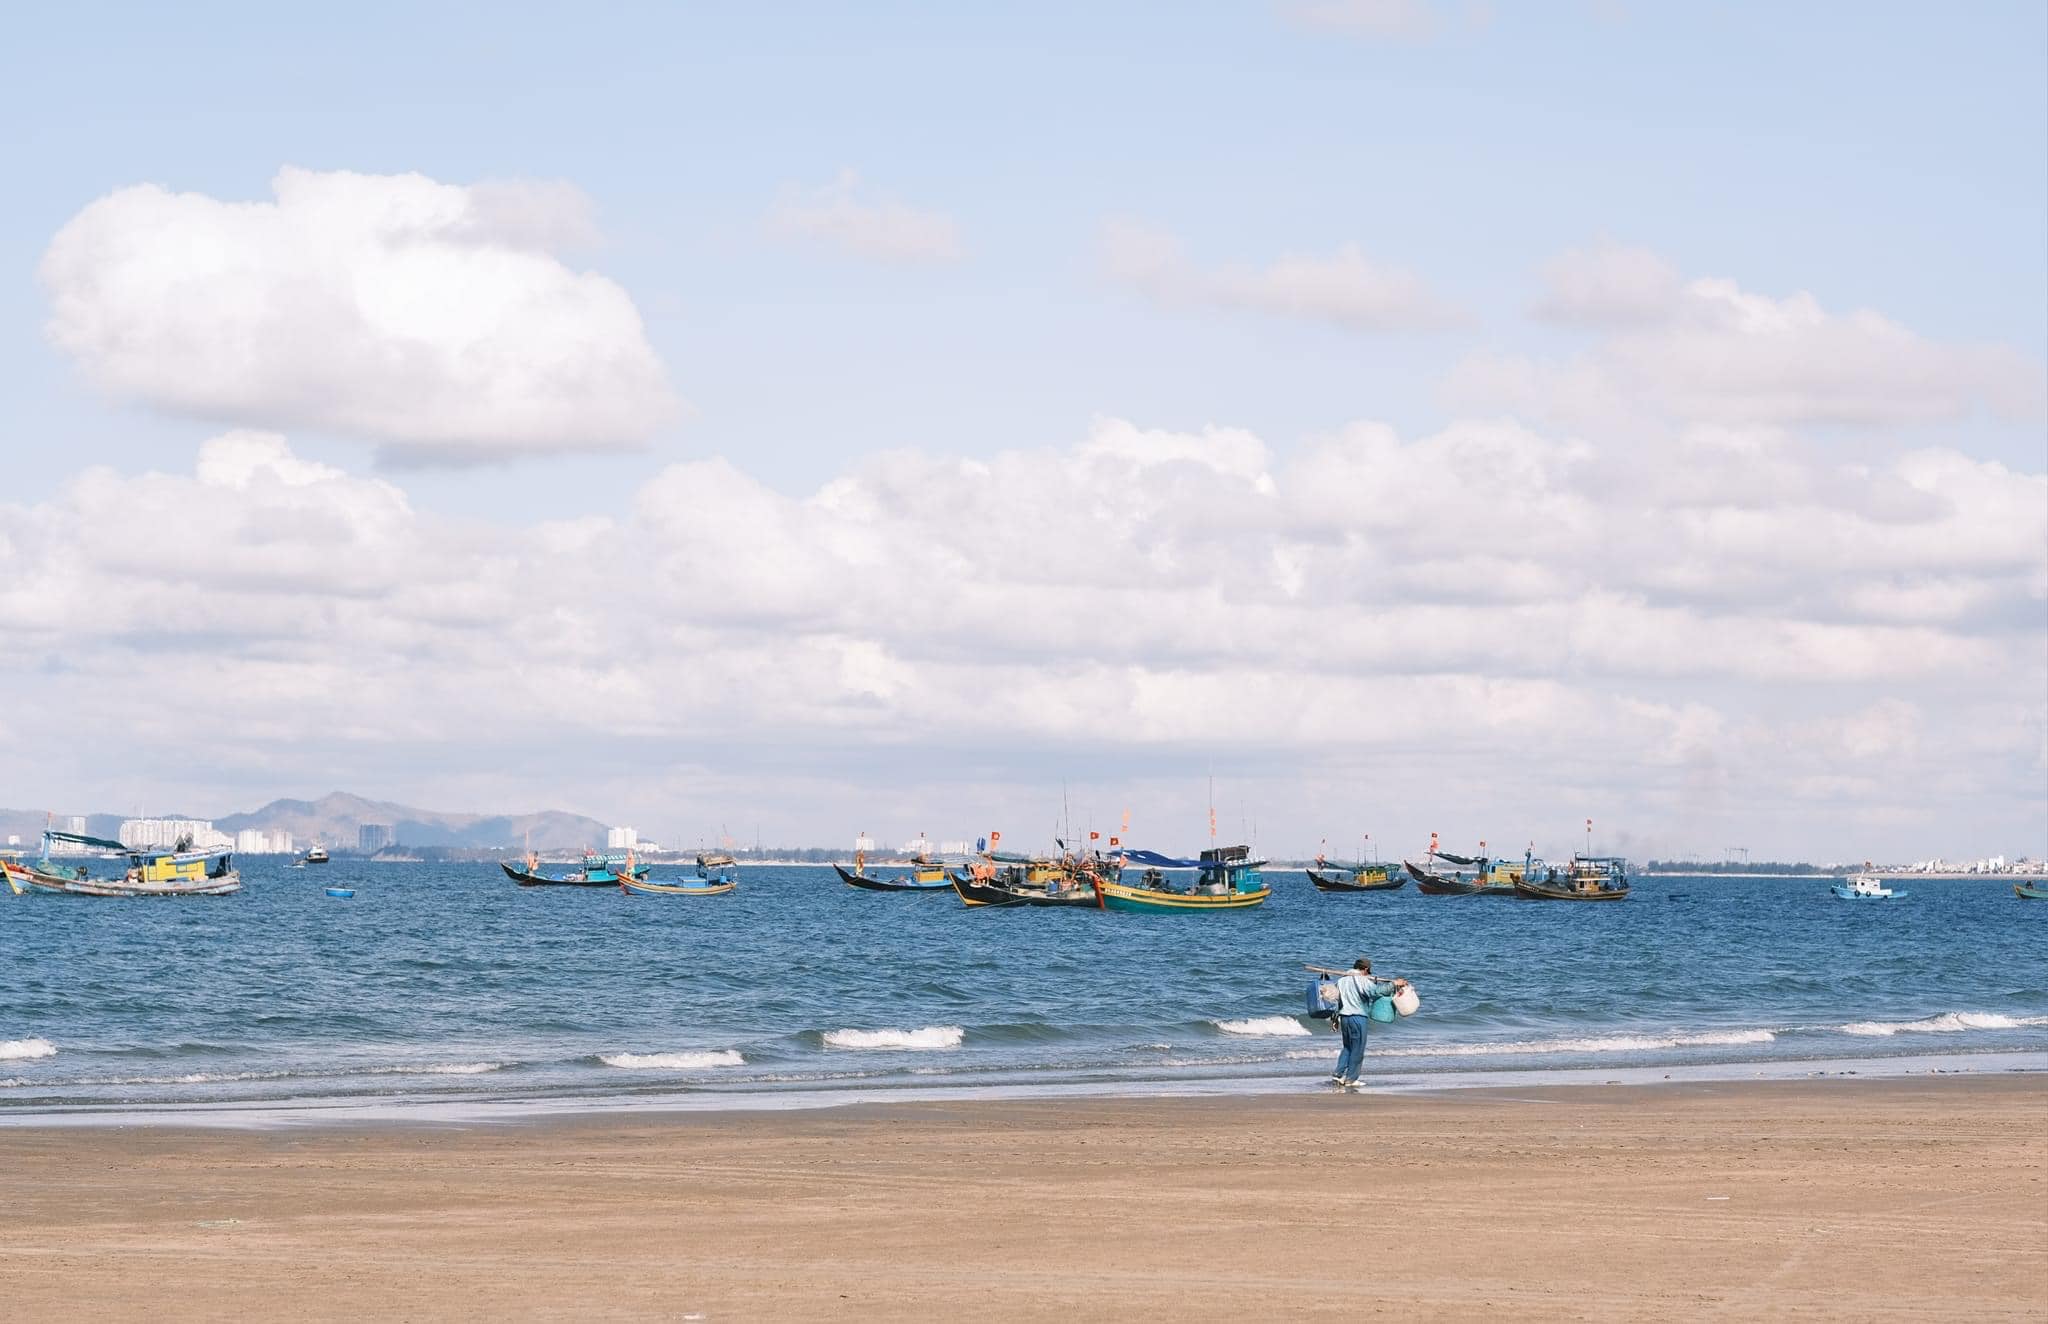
{"x":638,"y":887}
{"x":1358,"y":882}
{"x":2030,"y":891}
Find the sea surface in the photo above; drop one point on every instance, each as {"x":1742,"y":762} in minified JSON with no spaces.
{"x":449,"y":988}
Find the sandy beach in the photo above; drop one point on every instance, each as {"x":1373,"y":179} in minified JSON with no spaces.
{"x":1923,"y":1197}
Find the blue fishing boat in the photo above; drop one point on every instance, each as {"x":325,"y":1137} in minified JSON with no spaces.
{"x":595,"y":871}
{"x":1225,"y":878}
{"x":1867,"y":887}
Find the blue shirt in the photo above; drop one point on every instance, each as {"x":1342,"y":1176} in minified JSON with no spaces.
{"x":1356,"y":991}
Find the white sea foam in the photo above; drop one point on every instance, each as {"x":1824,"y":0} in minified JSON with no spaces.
{"x":930,"y":1037}
{"x":443,"y":1069}
{"x":723,"y":1057}
{"x":1269,"y":1027}
{"x":1947,"y":1023}
{"x":16,"y":1049}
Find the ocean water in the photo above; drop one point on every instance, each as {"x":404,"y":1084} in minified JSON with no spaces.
{"x":447,"y":984}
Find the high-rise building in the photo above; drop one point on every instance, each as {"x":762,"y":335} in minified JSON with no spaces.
{"x":170,"y":833}
{"x":373,"y":837}
{"x":621,"y":838}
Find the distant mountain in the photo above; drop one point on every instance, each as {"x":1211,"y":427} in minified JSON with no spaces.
{"x":334,"y":820}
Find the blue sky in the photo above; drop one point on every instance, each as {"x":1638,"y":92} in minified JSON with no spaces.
{"x":1875,"y":157}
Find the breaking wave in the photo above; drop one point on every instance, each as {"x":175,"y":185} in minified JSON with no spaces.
{"x":1946,"y":1023}
{"x":1270,"y":1027}
{"x":12,"y":1050}
{"x":723,"y":1057}
{"x":931,"y":1036}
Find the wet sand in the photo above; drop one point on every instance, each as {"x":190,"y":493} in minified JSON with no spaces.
{"x":1924,"y":1197}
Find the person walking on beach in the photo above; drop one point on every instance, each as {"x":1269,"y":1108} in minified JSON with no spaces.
{"x":1356,"y":991}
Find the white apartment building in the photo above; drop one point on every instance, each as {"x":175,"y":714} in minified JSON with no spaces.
{"x":255,"y":841}
{"x":166,"y":833}
{"x":621,"y":838}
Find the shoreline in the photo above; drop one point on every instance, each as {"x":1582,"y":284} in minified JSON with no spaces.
{"x":1761,"y":1199}
{"x":346,"y":1112}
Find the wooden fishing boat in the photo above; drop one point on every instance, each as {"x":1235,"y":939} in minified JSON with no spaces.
{"x":146,"y":872}
{"x":640,"y":887}
{"x":906,"y":883}
{"x":1489,"y":877}
{"x":2030,"y":891}
{"x":926,"y":875}
{"x":1358,"y":878}
{"x":1588,"y":878}
{"x":1226,"y":878}
{"x":595,"y":871}
{"x":984,"y":885}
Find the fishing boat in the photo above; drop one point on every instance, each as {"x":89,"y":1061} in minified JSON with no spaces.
{"x":1867,"y":887}
{"x":316,"y":855}
{"x":1587,"y":878}
{"x":595,"y":870}
{"x":2030,"y":891}
{"x":926,"y":875}
{"x":1490,"y":878}
{"x":175,"y":872}
{"x":1025,"y":882}
{"x":1226,"y":878}
{"x":717,"y":874}
{"x":641,"y":887}
{"x":1355,"y":878}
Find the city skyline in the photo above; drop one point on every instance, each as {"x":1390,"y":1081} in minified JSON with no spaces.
{"x":1402,"y":419}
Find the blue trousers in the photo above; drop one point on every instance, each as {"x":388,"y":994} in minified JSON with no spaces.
{"x":1352,"y":1059}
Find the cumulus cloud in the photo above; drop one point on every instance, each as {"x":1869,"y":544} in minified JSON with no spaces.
{"x":1496,"y":612}
{"x":856,"y":219}
{"x":1707,"y":351}
{"x":436,"y":320}
{"x":1609,"y":285}
{"x":1346,"y":288}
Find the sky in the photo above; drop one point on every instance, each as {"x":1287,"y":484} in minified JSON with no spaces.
{"x":799,"y":421}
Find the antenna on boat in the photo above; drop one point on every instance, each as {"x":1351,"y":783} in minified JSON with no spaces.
{"x":1589,"y":836}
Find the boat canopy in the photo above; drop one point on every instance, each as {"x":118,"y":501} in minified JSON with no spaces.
{"x":1154,"y":860}
{"x":51,"y":834}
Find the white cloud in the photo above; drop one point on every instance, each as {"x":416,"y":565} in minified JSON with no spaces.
{"x":1609,"y":285}
{"x":1346,"y":288}
{"x":1501,"y":615}
{"x":1706,"y":351}
{"x":433,"y":319}
{"x":864,"y":222}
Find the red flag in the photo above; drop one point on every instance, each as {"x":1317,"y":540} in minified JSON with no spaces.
{"x":1094,"y":836}
{"x":994,"y":837}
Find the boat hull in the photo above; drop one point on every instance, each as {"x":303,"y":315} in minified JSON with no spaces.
{"x":1145,"y":900}
{"x":1848,"y":895}
{"x":525,"y":879}
{"x":634,"y":887}
{"x":1529,"y":891}
{"x":23,"y":878}
{"x":1326,"y":882}
{"x":2026,"y":892}
{"x":867,"y":884}
{"x":980,"y":892}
